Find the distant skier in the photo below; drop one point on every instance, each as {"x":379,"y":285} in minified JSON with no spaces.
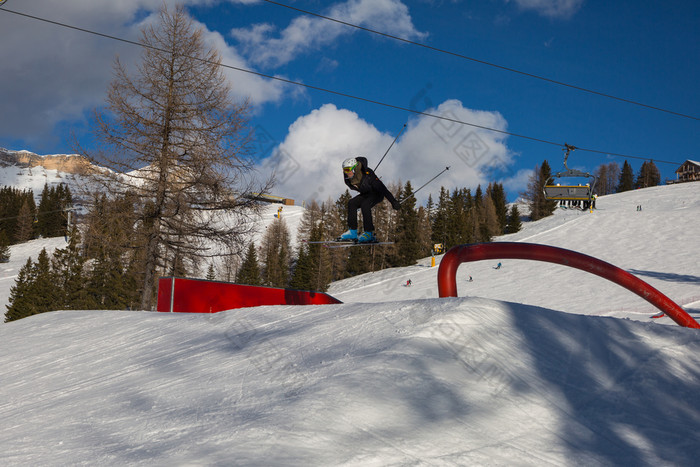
{"x":408,"y":283}
{"x":359,"y":177}
{"x":470,"y":279}
{"x":498,"y":266}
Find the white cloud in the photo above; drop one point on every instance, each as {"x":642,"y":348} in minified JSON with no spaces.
{"x":307,"y":33}
{"x":308,"y":160}
{"x":551,"y":8}
{"x":245,"y":85}
{"x":517,"y":183}
{"x":53,"y":75}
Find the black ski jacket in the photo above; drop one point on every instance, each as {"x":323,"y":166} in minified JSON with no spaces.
{"x":370,"y":183}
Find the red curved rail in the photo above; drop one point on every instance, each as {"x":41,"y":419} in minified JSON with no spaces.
{"x":447,"y":272}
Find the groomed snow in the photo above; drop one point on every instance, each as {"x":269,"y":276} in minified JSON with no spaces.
{"x":539,"y":365}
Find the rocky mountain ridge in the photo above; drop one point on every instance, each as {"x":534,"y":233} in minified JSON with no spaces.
{"x":66,"y":163}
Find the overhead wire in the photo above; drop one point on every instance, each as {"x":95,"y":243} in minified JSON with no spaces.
{"x":330,"y":91}
{"x":484,"y":62}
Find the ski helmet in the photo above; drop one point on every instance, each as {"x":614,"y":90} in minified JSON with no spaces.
{"x":349,"y":166}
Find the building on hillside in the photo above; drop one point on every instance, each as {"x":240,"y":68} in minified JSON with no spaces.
{"x":689,"y":171}
{"x":271,"y":199}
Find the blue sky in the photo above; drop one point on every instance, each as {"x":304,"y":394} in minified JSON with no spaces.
{"x":637,"y":50}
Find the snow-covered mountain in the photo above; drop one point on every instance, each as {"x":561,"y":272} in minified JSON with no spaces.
{"x":26,"y":170}
{"x":534,"y":364}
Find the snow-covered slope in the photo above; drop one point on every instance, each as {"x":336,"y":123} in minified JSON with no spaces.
{"x":658,"y":244}
{"x":18,"y":258}
{"x":524,"y":371}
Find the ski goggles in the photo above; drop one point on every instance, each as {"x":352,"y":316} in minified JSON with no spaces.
{"x":349,"y":170}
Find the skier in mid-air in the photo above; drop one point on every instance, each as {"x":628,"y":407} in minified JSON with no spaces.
{"x":359,"y":177}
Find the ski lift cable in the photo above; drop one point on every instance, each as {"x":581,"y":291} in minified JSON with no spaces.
{"x":337,"y":93}
{"x":484,"y":62}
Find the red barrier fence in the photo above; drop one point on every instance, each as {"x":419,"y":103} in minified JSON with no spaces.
{"x":178,"y":295}
{"x":447,"y":272}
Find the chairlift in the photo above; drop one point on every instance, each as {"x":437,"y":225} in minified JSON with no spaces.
{"x":569,"y":192}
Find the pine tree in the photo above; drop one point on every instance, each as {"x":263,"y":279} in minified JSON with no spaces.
{"x":626,"y":178}
{"x":311,"y":271}
{"x":4,"y":247}
{"x":52,"y":220}
{"x":456,"y":226}
{"x":110,"y":285}
{"x":46,"y":296}
{"x":359,"y":261}
{"x":514,"y":224}
{"x":34,"y":291}
{"x":11,"y":202}
{"x":43,"y":211}
{"x":249,"y":273}
{"x":114,"y":276}
{"x":407,"y":240}
{"x":21,"y":302}
{"x":301,"y":276}
{"x":335,"y":222}
{"x":424,"y":233}
{"x":440,"y":218}
{"x":540,"y":207}
{"x":489,"y":223}
{"x":498,"y":196}
{"x":211,"y":274}
{"x":67,"y":265}
{"x":430,"y":209}
{"x":547,"y":206}
{"x":322,"y":222}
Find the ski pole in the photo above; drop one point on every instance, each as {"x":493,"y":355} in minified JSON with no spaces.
{"x":412,"y":194}
{"x":392,"y":144}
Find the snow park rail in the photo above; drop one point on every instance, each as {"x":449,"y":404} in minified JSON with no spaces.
{"x":447,"y":272}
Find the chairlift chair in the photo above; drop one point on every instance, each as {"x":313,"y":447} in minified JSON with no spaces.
{"x":570,"y":192}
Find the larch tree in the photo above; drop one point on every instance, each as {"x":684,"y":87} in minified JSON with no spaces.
{"x":177,"y":142}
{"x":607,"y":178}
{"x":649,"y":175}
{"x":276,"y":254}
{"x":25,"y":221}
{"x":498,"y":196}
{"x":312,"y":269}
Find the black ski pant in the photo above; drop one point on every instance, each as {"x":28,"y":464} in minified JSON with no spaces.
{"x":364,"y":202}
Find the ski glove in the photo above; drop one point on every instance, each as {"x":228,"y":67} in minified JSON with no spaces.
{"x":396,"y":205}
